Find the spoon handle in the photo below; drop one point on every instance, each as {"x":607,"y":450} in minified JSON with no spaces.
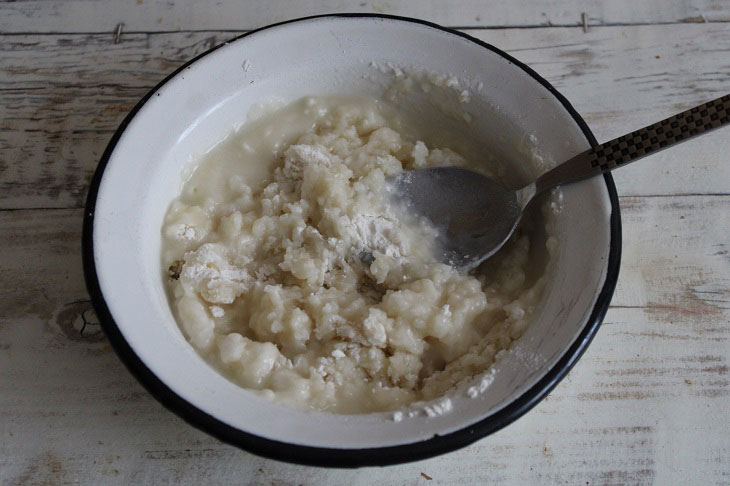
{"x":640,"y":143}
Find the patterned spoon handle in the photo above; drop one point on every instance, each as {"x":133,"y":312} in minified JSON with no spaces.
{"x":635,"y":145}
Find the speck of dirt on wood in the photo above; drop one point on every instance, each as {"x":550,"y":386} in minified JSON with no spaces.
{"x":426,"y":476}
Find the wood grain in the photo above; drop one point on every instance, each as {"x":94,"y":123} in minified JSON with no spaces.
{"x":155,"y":16}
{"x":62,"y":97}
{"x":648,"y":402}
{"x":676,"y":258}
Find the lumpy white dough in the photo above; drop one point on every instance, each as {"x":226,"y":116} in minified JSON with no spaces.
{"x":268,"y":281}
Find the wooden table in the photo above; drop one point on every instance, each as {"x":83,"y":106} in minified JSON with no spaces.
{"x":648,"y":403}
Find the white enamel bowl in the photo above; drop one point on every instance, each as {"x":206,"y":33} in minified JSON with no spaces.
{"x":193,"y":108}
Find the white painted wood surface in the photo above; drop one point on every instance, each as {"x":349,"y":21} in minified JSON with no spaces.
{"x":159,"y":15}
{"x":649,"y":401}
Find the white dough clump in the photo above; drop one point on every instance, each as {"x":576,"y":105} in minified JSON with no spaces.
{"x":290,"y":273}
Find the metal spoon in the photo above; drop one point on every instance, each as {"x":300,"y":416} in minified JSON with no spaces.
{"x":477,"y":215}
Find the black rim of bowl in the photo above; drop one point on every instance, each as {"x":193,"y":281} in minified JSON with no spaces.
{"x":331,"y":457}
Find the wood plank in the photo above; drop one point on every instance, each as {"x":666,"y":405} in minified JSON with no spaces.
{"x":41,"y":263}
{"x":676,"y":255}
{"x":647,"y":403}
{"x":617,"y":419}
{"x":155,"y":16}
{"x":675,"y":258}
{"x":656,"y":376}
{"x":63,"y":95}
{"x":621,"y":79}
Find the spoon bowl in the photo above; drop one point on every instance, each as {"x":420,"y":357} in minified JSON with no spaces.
{"x":476,"y":215}
{"x":471,"y":212}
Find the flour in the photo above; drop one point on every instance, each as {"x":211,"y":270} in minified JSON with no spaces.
{"x":486,"y":380}
{"x":299,"y":156}
{"x":408,"y":80}
{"x":207,"y":271}
{"x":432,"y":409}
{"x":381,"y":233}
{"x":272,"y":287}
{"x":184,"y":232}
{"x":378,"y":233}
{"x":439,"y":407}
